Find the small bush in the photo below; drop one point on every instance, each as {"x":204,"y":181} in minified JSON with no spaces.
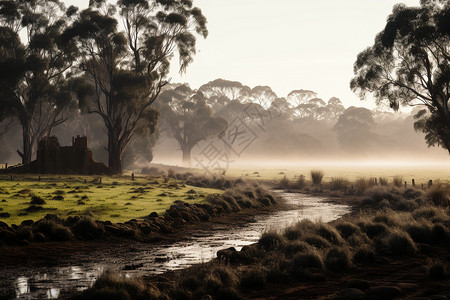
{"x":383,"y":181}
{"x":284,"y":182}
{"x":400,"y":243}
{"x":301,"y":182}
{"x":37,"y":200}
{"x":317,"y":176}
{"x":338,"y":183}
{"x":338,"y":260}
{"x":364,"y":254}
{"x":112,"y":285}
{"x":294,"y":247}
{"x":316,"y":241}
{"x":254,"y":278}
{"x":397,"y":180}
{"x":374,"y":230}
{"x":361,"y":185}
{"x":346,"y":229}
{"x":59,"y":192}
{"x":88,"y":228}
{"x":412,"y":194}
{"x":54,"y":230}
{"x":270,"y":240}
{"x":438,"y":196}
{"x":420,"y":232}
{"x":329,"y":233}
{"x":308,"y":260}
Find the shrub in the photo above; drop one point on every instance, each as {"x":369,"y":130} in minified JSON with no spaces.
{"x":270,"y":240}
{"x":329,"y":233}
{"x":346,"y":229}
{"x":296,"y":231}
{"x":54,"y":231}
{"x":308,"y":260}
{"x":338,"y":183}
{"x":438,"y":196}
{"x":364,"y":254}
{"x":301,"y":182}
{"x":397,"y":180}
{"x":400,"y":243}
{"x":374,"y":230}
{"x":383,"y":181}
{"x":37,"y":200}
{"x":317,"y":176}
{"x":88,"y":228}
{"x":254,"y":278}
{"x":293,"y":247}
{"x":412,"y":193}
{"x":284,"y":182}
{"x":112,"y":285}
{"x":358,"y":238}
{"x":420,"y":232}
{"x":361,"y":185}
{"x":316,"y":241}
{"x":226,"y":275}
{"x":338,"y":260}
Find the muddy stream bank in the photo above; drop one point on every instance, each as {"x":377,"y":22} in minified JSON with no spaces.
{"x":81,"y":270}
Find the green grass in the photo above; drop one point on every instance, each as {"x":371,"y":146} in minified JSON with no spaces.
{"x":117,"y":199}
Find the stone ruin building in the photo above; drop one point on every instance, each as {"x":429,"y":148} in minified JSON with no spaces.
{"x":55,"y":159}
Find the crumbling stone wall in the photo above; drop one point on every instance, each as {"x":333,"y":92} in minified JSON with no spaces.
{"x":75,"y":159}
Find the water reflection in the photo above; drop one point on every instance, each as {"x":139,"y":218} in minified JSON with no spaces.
{"x":22,"y":286}
{"x":61,"y":282}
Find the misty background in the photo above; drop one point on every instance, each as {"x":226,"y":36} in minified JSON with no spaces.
{"x":260,"y":125}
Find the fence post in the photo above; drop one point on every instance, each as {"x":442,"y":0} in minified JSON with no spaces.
{"x":132,"y":176}
{"x":413,"y":183}
{"x":405,"y":184}
{"x":430,"y":183}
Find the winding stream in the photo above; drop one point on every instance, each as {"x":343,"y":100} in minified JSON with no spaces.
{"x":61,"y":281}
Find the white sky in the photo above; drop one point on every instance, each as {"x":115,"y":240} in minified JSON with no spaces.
{"x":287,"y":44}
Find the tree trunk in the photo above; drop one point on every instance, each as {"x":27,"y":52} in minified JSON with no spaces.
{"x":114,"y":155}
{"x":186,"y":156}
{"x":27,"y":145}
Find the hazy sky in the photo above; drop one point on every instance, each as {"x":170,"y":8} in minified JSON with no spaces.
{"x":288,"y":44}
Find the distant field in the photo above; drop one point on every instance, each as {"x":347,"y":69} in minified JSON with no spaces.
{"x":420,"y":171}
{"x":117,"y":199}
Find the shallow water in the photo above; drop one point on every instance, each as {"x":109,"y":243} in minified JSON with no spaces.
{"x":202,"y":246}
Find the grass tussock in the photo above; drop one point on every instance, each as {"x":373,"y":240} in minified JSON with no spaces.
{"x":397,"y":181}
{"x":113,"y":285}
{"x":439,"y":196}
{"x":317,"y":176}
{"x":339,"y":183}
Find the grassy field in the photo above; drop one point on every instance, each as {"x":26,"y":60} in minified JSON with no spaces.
{"x":117,"y":199}
{"x":420,"y":171}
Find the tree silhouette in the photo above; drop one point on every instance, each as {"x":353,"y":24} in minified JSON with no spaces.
{"x":263,"y":95}
{"x":126,"y":70}
{"x":188,"y":118}
{"x":232,"y":90}
{"x":408,"y":64}
{"x":32,"y":74}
